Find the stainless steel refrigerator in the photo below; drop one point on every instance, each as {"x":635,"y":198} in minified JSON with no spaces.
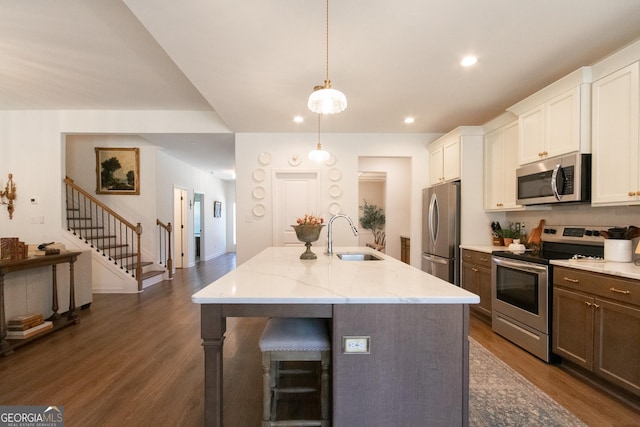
{"x":441,"y":231}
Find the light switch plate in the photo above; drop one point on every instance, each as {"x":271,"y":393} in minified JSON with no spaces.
{"x":356,"y":344}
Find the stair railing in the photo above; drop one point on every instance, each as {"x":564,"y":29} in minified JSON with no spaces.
{"x":104,"y":230}
{"x":165,"y":245}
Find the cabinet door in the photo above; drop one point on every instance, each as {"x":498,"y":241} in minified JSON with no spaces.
{"x":435,"y":164}
{"x":532,"y":135}
{"x":451,"y":159}
{"x":493,"y":166}
{"x":573,"y":327}
{"x":615,"y":138}
{"x":563,"y":123}
{"x":617,"y":344}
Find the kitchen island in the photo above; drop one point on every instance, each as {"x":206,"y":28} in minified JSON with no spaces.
{"x":416,"y":370}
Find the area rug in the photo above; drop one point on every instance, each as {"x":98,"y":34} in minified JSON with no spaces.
{"x":499,"y":396}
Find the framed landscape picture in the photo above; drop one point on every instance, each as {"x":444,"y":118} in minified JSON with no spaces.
{"x":117,"y":170}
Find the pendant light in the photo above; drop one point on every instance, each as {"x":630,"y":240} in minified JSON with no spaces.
{"x":324,"y":99}
{"x":319,"y":155}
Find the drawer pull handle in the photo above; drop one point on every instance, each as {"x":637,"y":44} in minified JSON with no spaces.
{"x":588,"y":304}
{"x":568,"y":279}
{"x":475,"y":270}
{"x":620,"y":291}
{"x":596,"y":306}
{"x":632,"y":193}
{"x":484,"y":259}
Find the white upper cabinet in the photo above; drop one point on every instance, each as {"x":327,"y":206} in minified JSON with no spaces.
{"x":444,"y":155}
{"x":556,"y":120}
{"x":500,"y":164}
{"x":616,"y":138}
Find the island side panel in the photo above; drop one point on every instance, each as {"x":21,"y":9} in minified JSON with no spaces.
{"x":416,"y":373}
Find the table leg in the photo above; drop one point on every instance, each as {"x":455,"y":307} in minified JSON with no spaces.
{"x":5,"y":348}
{"x":72,"y":315}
{"x":213,"y":326}
{"x":54,"y":297}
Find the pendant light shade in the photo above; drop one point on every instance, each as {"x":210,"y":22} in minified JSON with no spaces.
{"x":324,"y":99}
{"x":319,"y":155}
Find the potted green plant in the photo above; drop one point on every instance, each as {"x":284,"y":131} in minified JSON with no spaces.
{"x":373,"y":219}
{"x":508,"y":234}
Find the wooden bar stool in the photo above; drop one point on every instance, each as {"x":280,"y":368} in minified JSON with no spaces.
{"x":291,"y":340}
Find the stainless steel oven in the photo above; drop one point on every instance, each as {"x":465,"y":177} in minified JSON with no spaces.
{"x":520,"y":304}
{"x":522,"y":285}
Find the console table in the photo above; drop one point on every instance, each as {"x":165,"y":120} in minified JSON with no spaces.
{"x":71,"y":317}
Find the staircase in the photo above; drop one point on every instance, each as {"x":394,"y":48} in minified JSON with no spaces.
{"x":112,"y":236}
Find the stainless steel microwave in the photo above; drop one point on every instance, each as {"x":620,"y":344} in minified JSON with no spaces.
{"x":555,"y":180}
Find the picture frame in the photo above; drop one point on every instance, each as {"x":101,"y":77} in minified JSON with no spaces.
{"x":117,"y":170}
{"x":217,"y":209}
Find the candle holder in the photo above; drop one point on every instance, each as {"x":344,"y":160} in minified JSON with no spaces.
{"x":308,"y":234}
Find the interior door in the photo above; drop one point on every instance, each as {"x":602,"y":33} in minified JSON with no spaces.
{"x":295,"y":193}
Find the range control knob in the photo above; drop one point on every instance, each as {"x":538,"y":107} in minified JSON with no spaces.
{"x":553,"y":231}
{"x":588,"y":232}
{"x":596,"y":233}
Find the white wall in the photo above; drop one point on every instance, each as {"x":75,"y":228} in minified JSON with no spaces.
{"x":32,"y":147}
{"x":255,"y":233}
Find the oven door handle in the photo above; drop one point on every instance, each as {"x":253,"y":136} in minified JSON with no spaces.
{"x":516,"y":265}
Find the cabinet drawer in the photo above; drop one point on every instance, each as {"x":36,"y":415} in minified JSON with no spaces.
{"x":602,"y":285}
{"x":481,"y":259}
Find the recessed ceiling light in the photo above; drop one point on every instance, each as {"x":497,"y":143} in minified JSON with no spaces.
{"x":409,"y":120}
{"x":468,"y":61}
{"x":298,"y":119}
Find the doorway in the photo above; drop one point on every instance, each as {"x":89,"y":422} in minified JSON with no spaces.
{"x":198,"y":224}
{"x":393,"y":177}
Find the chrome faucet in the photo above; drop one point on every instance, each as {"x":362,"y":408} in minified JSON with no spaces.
{"x":330,"y":231}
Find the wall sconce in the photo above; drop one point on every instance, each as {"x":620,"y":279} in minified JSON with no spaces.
{"x":9,"y":193}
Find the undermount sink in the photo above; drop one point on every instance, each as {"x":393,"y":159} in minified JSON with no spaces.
{"x":358,"y":256}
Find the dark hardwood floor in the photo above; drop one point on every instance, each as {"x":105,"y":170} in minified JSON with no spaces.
{"x":137,"y":360}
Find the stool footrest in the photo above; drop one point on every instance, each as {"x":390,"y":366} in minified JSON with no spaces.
{"x":294,"y":389}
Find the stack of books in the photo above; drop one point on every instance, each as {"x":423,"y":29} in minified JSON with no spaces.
{"x":23,"y":327}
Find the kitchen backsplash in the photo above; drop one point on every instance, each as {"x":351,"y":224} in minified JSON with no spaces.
{"x":579,"y":214}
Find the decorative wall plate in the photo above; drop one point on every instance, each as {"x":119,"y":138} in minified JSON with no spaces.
{"x":264,"y":158}
{"x":259,"y":210}
{"x":334,"y":208}
{"x":332,"y":160}
{"x":258,"y":174}
{"x":335,"y":191}
{"x":294,"y":160}
{"x":335,"y":174}
{"x":258,"y":193}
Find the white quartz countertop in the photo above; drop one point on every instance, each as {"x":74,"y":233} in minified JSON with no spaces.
{"x":622,"y":269}
{"x":484,"y":248}
{"x":277,"y":275}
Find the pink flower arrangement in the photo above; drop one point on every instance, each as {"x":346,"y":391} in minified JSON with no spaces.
{"x":309,"y":219}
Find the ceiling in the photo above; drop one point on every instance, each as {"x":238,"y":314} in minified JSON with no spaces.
{"x":255,"y":62}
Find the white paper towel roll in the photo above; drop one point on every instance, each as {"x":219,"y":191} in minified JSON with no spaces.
{"x":617,"y":250}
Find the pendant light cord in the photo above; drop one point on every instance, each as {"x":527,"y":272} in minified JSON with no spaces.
{"x":327,"y":42}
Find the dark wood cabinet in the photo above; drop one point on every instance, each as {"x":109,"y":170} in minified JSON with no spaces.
{"x":476,"y":278}
{"x":405,"y":250}
{"x":596,"y":325}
